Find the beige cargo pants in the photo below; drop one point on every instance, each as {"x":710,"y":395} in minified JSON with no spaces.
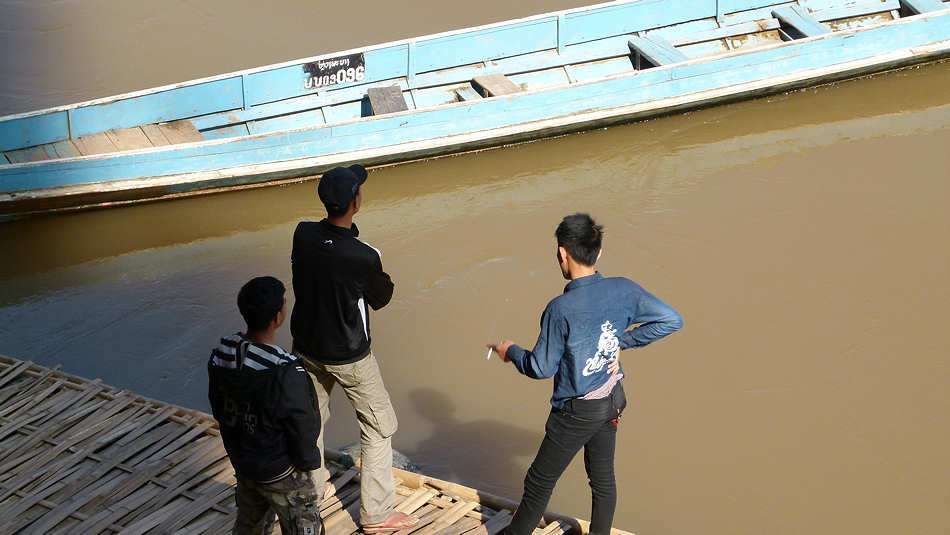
{"x":363,"y":385}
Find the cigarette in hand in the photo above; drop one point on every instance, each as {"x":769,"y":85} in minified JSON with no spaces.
{"x":489,"y":354}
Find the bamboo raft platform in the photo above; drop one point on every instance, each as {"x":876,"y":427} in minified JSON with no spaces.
{"x":77,"y":456}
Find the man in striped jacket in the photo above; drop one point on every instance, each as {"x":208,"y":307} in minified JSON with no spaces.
{"x":267,"y":410}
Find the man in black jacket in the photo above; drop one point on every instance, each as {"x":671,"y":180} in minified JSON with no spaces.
{"x":337,"y":279}
{"x":266,"y":407}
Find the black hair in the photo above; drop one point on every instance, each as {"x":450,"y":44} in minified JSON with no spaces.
{"x":581,"y":236}
{"x":259,"y":301}
{"x":335,"y":210}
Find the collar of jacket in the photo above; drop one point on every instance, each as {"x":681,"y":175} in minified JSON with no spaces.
{"x":330,"y":227}
{"x":583,"y":281}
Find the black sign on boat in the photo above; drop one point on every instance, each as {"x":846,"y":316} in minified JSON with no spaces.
{"x":335,"y":71}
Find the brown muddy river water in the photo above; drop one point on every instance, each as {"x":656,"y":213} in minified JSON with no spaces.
{"x":804,"y":239}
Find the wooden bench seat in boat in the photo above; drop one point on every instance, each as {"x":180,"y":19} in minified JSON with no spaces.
{"x":493,"y":85}
{"x":383,"y":100}
{"x":844,"y":9}
{"x":656,"y":50}
{"x":797,"y":23}
{"x":923,"y":6}
{"x":467,"y":93}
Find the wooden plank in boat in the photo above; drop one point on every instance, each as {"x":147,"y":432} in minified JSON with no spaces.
{"x":66,"y":149}
{"x":302,"y":119}
{"x":180,"y":132}
{"x":923,"y":6}
{"x":799,"y":22}
{"x":656,"y":50}
{"x":530,"y":81}
{"x":383,"y":100}
{"x":467,"y":93}
{"x":31,"y":154}
{"x":493,"y":85}
{"x":723,"y":32}
{"x":595,"y":69}
{"x":826,"y":11}
{"x":129,"y":138}
{"x":155,"y":135}
{"x":95,"y":144}
{"x":235,"y":130}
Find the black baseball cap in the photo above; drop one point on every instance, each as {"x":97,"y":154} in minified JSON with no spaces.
{"x":339,"y":186}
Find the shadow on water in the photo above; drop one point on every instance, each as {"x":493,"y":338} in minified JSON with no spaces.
{"x":486,"y":448}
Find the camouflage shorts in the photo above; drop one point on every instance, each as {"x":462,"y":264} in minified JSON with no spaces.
{"x":294,"y":499}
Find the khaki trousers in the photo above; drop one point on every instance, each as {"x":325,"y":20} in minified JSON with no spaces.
{"x":363,"y":385}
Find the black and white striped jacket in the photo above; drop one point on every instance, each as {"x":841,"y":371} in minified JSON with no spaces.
{"x":266,"y":408}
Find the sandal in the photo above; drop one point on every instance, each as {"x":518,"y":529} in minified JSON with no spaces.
{"x":396,"y":522}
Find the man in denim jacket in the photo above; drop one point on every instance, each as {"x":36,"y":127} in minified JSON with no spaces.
{"x":582,"y":333}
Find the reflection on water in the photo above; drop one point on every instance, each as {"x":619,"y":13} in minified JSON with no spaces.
{"x":803,"y":238}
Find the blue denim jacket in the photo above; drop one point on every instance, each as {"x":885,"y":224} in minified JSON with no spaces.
{"x":582,"y":328}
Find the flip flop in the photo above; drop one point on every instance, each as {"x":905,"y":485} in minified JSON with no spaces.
{"x":396,"y":522}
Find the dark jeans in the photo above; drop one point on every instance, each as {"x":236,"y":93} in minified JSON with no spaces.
{"x":580,"y":423}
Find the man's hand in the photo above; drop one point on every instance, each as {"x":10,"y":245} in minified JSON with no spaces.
{"x":502,"y":349}
{"x":614,"y":365}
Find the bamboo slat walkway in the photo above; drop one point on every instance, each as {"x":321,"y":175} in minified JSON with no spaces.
{"x":77,"y":456}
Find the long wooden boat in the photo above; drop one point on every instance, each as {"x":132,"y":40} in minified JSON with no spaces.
{"x":77,"y":456}
{"x":463,"y":90}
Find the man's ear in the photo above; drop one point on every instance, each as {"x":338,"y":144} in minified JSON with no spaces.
{"x":562,"y":254}
{"x":280,"y":317}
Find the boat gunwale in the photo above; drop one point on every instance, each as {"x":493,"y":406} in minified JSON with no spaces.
{"x":703,"y":59}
